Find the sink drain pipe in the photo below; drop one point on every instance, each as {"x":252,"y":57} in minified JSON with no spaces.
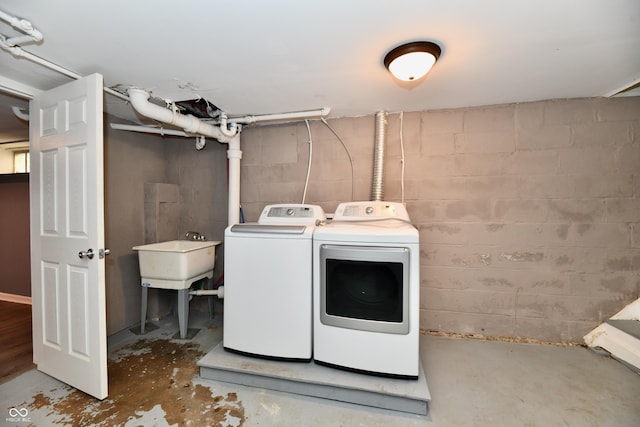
{"x":205,"y":292}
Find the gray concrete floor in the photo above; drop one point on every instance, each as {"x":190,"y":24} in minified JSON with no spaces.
{"x":472,"y":383}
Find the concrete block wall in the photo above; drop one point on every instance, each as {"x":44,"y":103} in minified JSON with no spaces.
{"x":529,"y":214}
{"x":201,"y":176}
{"x":161,"y":212}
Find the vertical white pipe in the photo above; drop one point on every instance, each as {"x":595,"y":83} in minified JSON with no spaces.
{"x":234,"y":154}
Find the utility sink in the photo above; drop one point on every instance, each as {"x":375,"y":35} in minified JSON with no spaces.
{"x":175,"y":264}
{"x":177,"y":261}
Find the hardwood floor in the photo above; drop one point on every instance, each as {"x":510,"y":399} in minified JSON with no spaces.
{"x":16,"y":352}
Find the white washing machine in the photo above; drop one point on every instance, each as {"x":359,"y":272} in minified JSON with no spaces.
{"x":367,"y":290}
{"x":268,"y":283}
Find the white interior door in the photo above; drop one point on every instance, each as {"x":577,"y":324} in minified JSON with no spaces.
{"x":67,"y":235}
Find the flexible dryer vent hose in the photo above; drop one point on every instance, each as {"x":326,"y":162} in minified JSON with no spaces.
{"x":377,"y":183}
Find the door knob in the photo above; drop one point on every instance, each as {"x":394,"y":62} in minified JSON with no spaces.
{"x":86,"y":254}
{"x":103,"y":252}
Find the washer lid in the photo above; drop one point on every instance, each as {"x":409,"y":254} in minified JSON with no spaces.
{"x":268,"y":229}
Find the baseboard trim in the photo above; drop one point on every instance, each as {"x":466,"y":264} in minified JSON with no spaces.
{"x":20,"y":299}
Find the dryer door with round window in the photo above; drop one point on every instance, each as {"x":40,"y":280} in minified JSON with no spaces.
{"x":365,"y":288}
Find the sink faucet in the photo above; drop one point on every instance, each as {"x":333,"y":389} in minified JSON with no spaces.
{"x":194,"y":235}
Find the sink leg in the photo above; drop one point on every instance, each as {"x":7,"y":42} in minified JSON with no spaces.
{"x":183,"y":311}
{"x":143,"y":308}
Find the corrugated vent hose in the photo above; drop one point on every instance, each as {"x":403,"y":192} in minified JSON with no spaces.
{"x":377,"y":182}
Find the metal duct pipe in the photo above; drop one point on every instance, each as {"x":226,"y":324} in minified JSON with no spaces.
{"x":377,"y":182}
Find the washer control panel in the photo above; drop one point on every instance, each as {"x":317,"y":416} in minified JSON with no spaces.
{"x":363,"y":211}
{"x":292,"y":214}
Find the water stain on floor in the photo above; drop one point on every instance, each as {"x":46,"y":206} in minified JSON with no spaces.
{"x":143,"y":376}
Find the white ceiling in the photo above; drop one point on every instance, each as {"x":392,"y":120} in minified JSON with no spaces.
{"x":259,"y":57}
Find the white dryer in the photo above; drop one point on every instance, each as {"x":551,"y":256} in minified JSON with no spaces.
{"x":367,"y":290}
{"x":268,"y":283}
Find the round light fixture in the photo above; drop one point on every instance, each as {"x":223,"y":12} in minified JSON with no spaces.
{"x":412,"y":61}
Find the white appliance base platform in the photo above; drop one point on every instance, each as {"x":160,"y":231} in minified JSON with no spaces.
{"x":310,"y":379}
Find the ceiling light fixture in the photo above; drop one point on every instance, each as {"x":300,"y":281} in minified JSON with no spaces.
{"x":412,"y":61}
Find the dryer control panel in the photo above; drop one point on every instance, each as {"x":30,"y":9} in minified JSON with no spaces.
{"x":363,"y":211}
{"x":291,"y":214}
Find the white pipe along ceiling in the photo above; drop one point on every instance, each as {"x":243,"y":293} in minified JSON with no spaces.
{"x":31,"y":34}
{"x":140,"y":101}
